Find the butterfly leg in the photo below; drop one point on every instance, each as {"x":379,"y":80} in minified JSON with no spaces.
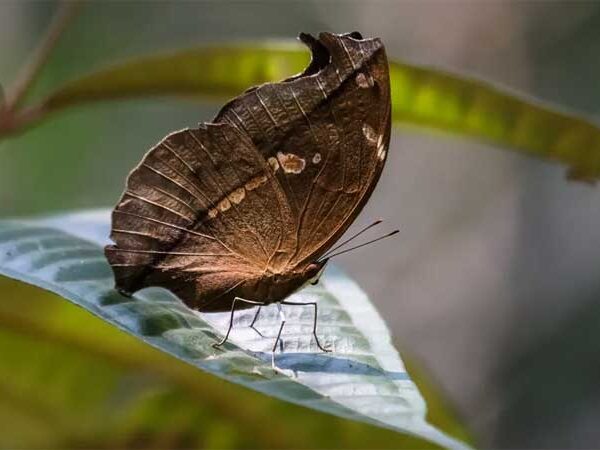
{"x":314,"y":304}
{"x":282,"y":315}
{"x":254,"y":321}
{"x":235,"y":300}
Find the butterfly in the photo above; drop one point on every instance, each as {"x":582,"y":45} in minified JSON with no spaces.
{"x":242,"y":211}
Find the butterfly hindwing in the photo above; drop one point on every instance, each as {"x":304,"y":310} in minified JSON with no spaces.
{"x":202,"y":208}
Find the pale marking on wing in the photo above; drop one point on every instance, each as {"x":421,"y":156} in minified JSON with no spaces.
{"x":150,"y":202}
{"x":264,"y":105}
{"x":214,"y":163}
{"x":264,"y":135}
{"x":337,"y":72}
{"x":291,"y":163}
{"x":213,"y":211}
{"x":158,"y":172}
{"x":380,"y":148}
{"x":207,"y":199}
{"x":273,"y":163}
{"x":316,"y":159}
{"x":321,"y":87}
{"x":252,"y":183}
{"x":369,"y":133}
{"x":224,"y":206}
{"x":364,"y":81}
{"x":174,"y":197}
{"x":185,"y":163}
{"x":354,"y":66}
{"x":170,"y":225}
{"x":237,"y":195}
{"x":255,"y":182}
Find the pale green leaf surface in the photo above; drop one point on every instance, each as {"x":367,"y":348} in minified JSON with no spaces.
{"x":363,"y":379}
{"x":420,"y":96}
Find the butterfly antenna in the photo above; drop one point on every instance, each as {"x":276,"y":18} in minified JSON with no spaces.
{"x":366,"y":243}
{"x":341,"y":244}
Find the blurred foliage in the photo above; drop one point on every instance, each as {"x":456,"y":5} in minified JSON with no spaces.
{"x":70,"y":380}
{"x":420,"y":96}
{"x":554,"y":381}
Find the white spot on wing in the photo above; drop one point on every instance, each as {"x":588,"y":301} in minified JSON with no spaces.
{"x":369,"y":133}
{"x":224,"y":205}
{"x":237,"y":196}
{"x":273,"y":163}
{"x":255,"y":182}
{"x":380,"y":148}
{"x":291,"y":163}
{"x":364,"y":81}
{"x":316,"y":158}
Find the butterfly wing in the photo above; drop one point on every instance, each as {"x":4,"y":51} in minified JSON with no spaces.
{"x":213,"y":212}
{"x":325,"y":133}
{"x":202,"y":215}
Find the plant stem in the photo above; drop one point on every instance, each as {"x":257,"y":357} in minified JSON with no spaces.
{"x":29,"y":73}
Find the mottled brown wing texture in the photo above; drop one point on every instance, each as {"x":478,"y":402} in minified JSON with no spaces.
{"x":202,"y":215}
{"x":325,"y":133}
{"x":242,"y":206}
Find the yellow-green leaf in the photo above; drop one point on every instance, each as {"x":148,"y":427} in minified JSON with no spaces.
{"x":421,"y":96}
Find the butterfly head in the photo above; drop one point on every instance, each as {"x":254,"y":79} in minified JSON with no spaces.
{"x":314,"y":270}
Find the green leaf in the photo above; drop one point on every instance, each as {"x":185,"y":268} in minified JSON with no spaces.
{"x":93,"y":386}
{"x":363,"y":379}
{"x":420,"y":96}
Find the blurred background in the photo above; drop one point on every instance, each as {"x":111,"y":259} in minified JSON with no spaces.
{"x":492,"y":284}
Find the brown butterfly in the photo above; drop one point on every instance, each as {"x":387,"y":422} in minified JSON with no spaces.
{"x":242,"y":211}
